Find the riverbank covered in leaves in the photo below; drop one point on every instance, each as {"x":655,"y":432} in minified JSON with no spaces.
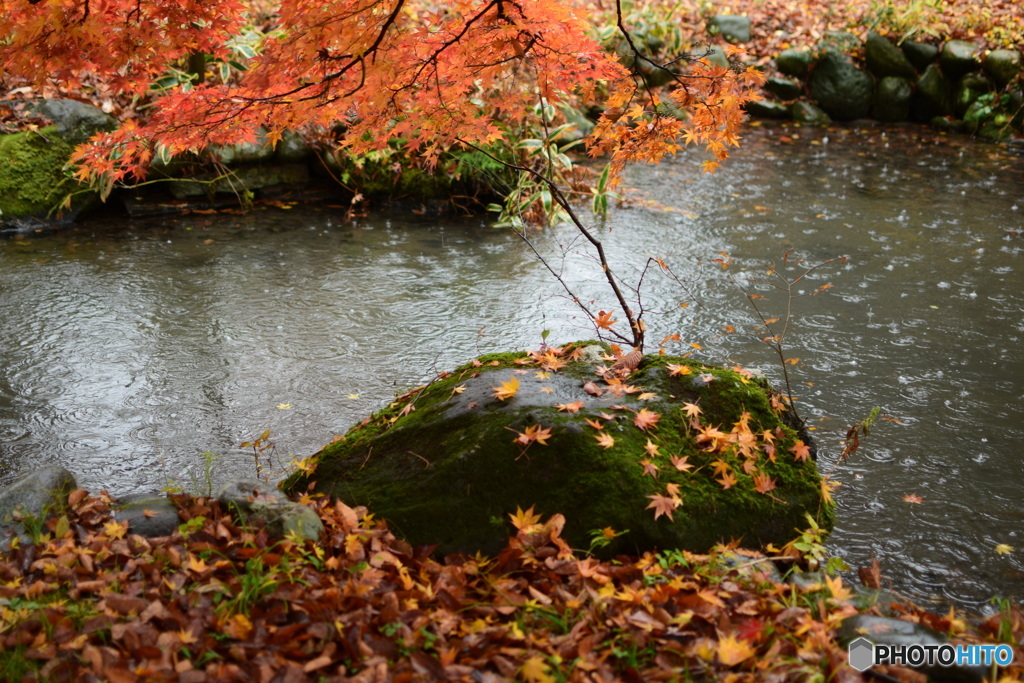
{"x":85,"y":600}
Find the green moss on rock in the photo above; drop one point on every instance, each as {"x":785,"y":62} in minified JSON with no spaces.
{"x":442,"y":465}
{"x":33,"y":181}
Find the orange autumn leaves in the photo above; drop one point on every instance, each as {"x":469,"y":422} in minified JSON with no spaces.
{"x":733,"y":456}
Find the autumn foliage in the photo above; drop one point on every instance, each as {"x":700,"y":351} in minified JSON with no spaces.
{"x":217,"y":601}
{"x":426,"y":76}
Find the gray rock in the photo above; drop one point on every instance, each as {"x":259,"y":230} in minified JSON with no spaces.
{"x":292,"y":148}
{"x":716,"y":55}
{"x":767,"y":109}
{"x":149,"y":515}
{"x":76,"y":121}
{"x":892,"y":99}
{"x":886,"y":631}
{"x":805,"y":112}
{"x":257,"y":502}
{"x":37,"y":495}
{"x":919,"y":54}
{"x":784,"y":88}
{"x":959,"y":57}
{"x":241,"y":178}
{"x":734,"y":28}
{"x":933,"y":96}
{"x":793,"y":62}
{"x":840,"y":88}
{"x":1003,"y":66}
{"x":244,"y":152}
{"x":807,"y":581}
{"x":885,"y":59}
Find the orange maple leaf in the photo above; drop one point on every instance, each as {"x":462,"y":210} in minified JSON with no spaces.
{"x":732,"y":651}
{"x":650,"y":469}
{"x":507,"y":389}
{"x":800,"y":450}
{"x":663,"y":505}
{"x":763,"y":483}
{"x":681,"y":464}
{"x":645,"y":419}
{"x":912,"y":498}
{"x":605,"y":440}
{"x":604,"y":320}
{"x":533,"y":433}
{"x":573,"y":407}
{"x":727,"y":481}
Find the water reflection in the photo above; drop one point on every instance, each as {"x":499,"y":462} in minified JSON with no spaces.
{"x":128,"y":350}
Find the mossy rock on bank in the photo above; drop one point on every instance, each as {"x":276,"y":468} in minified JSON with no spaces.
{"x":33,"y":183}
{"x":443,"y":465}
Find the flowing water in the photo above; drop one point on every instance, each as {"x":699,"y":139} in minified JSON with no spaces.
{"x":130,"y":348}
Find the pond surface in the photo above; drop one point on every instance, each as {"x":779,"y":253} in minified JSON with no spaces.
{"x":129,"y":349}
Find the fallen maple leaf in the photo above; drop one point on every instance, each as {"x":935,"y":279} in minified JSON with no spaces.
{"x":732,"y":651}
{"x":727,"y":481}
{"x":800,"y":450}
{"x":1004,"y":549}
{"x":763,"y":483}
{"x":650,"y":469}
{"x":535,"y":670}
{"x":533,"y":433}
{"x":651,"y":448}
{"x":645,"y":419}
{"x":676,"y":370}
{"x":524,"y":518}
{"x":507,"y":389}
{"x":573,"y":407}
{"x":680,"y":464}
{"x":912,"y":498}
{"x":605,"y":440}
{"x":663,"y":505}
{"x":592,"y":389}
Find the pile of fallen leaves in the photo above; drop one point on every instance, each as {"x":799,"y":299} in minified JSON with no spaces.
{"x":87,"y":600}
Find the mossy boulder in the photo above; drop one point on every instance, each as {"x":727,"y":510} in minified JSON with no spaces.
{"x":805,"y":112}
{"x":959,"y":57}
{"x":793,"y":62}
{"x":1003,"y":66}
{"x":448,"y":463}
{"x":919,"y":54}
{"x":933,"y":96}
{"x":840,"y":88}
{"x":885,"y":59}
{"x":733,"y":28}
{"x":892,"y":99}
{"x":34,"y":183}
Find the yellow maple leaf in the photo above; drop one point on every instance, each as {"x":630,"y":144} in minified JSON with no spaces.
{"x":507,"y":389}
{"x":115,"y":529}
{"x":523,"y":518}
{"x":284,"y":406}
{"x":535,"y":670}
{"x":1004,"y":549}
{"x":605,"y":440}
{"x":835,"y":587}
{"x":732,"y":651}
